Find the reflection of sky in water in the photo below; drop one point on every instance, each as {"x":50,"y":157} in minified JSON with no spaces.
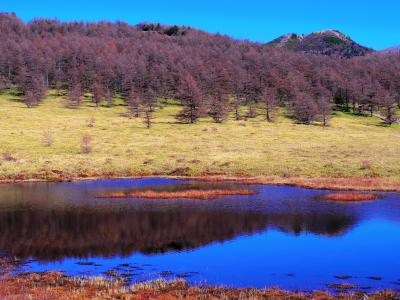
{"x":283,"y":236}
{"x":272,"y":258}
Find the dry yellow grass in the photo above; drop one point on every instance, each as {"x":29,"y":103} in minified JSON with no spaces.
{"x":353,"y":146}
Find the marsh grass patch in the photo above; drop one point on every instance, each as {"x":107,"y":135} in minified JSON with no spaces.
{"x":350,"y":197}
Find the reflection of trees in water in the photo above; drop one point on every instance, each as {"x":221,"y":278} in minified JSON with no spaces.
{"x":83,"y":232}
{"x":321,"y":223}
{"x":50,"y":235}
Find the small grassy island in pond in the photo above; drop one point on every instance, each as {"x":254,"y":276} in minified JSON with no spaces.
{"x":350,"y":197}
{"x":185,"y":194}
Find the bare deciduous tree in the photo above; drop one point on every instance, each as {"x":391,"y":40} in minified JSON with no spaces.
{"x":86,"y":146}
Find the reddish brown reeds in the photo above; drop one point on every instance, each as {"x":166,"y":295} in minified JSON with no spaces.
{"x":345,"y":183}
{"x":184,"y":194}
{"x":58,"y":286}
{"x":350,"y":197}
{"x":383,"y":184}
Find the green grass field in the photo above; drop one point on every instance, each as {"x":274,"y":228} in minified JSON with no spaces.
{"x":352,"y":145}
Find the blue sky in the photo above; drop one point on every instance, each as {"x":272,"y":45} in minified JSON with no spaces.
{"x":372,"y":23}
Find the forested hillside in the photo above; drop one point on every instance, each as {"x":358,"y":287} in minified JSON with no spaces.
{"x":210,"y":75}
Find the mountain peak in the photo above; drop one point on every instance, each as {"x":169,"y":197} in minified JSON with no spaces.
{"x":326,"y":42}
{"x":333,"y":32}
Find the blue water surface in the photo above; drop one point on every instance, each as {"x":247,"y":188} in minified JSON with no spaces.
{"x":284,"y":237}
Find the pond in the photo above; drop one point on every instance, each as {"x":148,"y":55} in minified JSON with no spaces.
{"x":281,"y":236}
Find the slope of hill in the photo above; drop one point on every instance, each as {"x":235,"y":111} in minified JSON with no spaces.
{"x":122,"y":146}
{"x":326,"y":42}
{"x":392,"y":49}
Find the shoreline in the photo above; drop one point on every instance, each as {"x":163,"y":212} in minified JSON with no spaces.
{"x":367,"y":184}
{"x":56,"y":285}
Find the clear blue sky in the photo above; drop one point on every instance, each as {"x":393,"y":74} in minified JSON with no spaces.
{"x":373,"y":23}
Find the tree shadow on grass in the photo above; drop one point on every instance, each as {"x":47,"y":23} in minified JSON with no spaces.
{"x":385,"y":125}
{"x":15,"y":100}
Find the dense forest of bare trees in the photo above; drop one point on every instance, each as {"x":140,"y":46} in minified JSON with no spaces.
{"x":209,"y":74}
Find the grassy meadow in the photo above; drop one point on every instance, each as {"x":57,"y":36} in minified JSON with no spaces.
{"x":352,"y":146}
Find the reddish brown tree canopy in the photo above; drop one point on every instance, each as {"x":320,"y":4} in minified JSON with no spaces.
{"x":206,"y":72}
